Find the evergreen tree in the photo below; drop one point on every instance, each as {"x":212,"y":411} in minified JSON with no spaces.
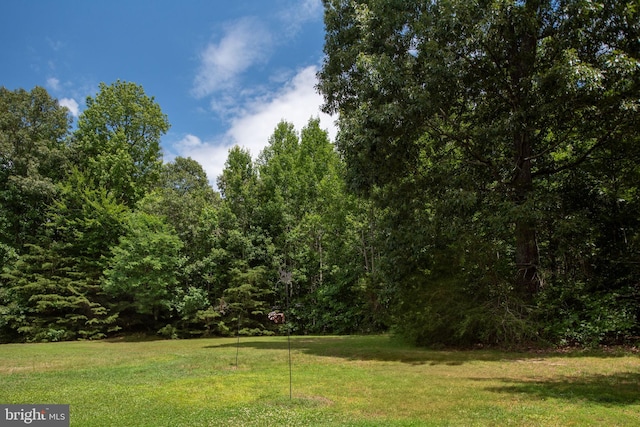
{"x":54,"y":290}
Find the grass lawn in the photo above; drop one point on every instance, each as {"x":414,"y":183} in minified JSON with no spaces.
{"x":341,"y":381}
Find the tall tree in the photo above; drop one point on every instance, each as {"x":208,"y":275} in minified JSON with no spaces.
{"x":464,"y":118}
{"x":33,"y":128}
{"x":237,"y":184}
{"x":182,"y":199}
{"x":242,"y":257}
{"x":186,"y":201}
{"x":514,"y":91}
{"x":117,"y":143}
{"x":305,"y":209}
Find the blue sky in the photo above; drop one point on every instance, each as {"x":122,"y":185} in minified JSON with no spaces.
{"x":224,"y":72}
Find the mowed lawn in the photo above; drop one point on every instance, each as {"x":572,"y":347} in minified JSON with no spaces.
{"x":341,"y":381}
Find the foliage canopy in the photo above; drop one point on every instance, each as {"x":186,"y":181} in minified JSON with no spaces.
{"x":471,"y":120}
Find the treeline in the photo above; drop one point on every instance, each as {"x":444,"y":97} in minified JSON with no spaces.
{"x":99,"y":237}
{"x":484,"y":188}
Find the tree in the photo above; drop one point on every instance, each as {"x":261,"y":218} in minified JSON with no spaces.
{"x":185,"y":201}
{"x":143,"y":269}
{"x":53,"y":292}
{"x":242,"y":256}
{"x":117,"y":143}
{"x":33,"y":128}
{"x":185,"y":175}
{"x":485,"y":104}
{"x":32,"y":154}
{"x":304,"y":208}
{"x":237,"y":184}
{"x":516,"y":92}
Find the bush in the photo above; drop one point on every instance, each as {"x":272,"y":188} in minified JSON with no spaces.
{"x":449,"y":312}
{"x":577,"y":314}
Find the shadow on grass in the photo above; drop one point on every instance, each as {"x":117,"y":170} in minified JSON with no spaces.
{"x":617,"y":389}
{"x":139,"y":337}
{"x":388,"y":349}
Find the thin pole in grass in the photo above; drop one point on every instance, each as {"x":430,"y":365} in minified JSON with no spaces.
{"x":238,"y":340}
{"x":289,"y":342}
{"x":285,"y":277}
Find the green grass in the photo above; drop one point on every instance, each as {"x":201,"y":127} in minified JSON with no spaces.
{"x":341,"y":381}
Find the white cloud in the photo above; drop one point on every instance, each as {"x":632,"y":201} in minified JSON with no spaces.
{"x":245,"y":43}
{"x":53,"y":83}
{"x":296,"y":102}
{"x":190,"y":142}
{"x":226,"y":77}
{"x":71,"y":104}
{"x":211,"y":155}
{"x":301,"y":12}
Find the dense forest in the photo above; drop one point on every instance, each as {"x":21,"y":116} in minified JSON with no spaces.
{"x":99,"y":236}
{"x":483,"y":188}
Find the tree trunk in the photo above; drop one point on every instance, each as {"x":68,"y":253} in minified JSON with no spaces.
{"x":522,"y":59}
{"x":527,"y":255}
{"x":527,"y":258}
